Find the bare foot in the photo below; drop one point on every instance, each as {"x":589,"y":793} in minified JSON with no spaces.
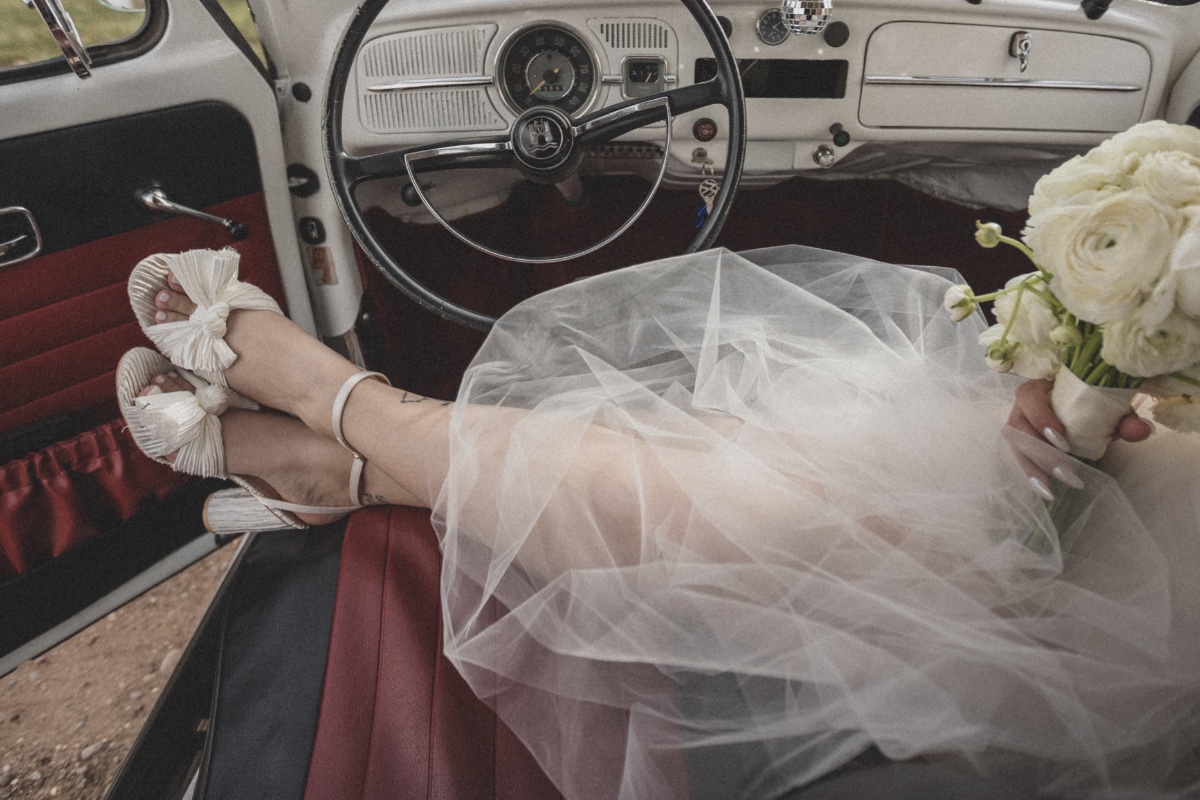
{"x":287,"y":461}
{"x":278,"y":365}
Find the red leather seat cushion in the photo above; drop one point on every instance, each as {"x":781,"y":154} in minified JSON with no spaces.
{"x":396,"y":719}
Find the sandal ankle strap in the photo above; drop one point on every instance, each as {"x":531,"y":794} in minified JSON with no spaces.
{"x":339,"y":408}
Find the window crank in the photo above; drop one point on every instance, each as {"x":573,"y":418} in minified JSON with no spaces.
{"x":156,"y":200}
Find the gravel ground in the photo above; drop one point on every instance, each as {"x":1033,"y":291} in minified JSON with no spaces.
{"x":69,"y":717}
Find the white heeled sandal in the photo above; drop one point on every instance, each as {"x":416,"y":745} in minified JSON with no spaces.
{"x":209,"y":277}
{"x":188,"y":426}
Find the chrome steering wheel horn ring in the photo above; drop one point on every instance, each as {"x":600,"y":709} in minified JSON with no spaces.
{"x":540,"y":154}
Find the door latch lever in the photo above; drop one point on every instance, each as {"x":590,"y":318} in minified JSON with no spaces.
{"x":155,"y":199}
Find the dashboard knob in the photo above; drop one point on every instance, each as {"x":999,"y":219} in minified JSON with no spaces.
{"x":824,"y":156}
{"x":806,"y":17}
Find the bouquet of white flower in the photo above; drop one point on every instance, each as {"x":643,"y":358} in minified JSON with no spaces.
{"x":1114,"y":305}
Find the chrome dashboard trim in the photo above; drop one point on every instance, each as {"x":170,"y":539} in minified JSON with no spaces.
{"x":1005,"y":83}
{"x":434,"y":83}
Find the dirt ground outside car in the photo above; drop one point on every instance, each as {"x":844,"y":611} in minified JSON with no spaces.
{"x":69,"y":717}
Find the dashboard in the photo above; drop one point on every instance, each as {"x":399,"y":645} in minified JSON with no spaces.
{"x":888,"y":87}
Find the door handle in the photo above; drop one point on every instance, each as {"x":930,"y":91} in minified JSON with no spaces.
{"x":156,"y":199}
{"x":10,"y":244}
{"x":20,"y":238}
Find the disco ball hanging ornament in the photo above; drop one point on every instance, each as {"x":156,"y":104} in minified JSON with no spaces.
{"x":807,"y":17}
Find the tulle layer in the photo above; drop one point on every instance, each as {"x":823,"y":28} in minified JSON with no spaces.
{"x":751,"y":516}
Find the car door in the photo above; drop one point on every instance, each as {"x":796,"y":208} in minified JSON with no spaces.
{"x":183,"y":109}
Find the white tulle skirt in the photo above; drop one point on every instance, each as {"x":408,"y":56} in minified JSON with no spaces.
{"x":751,"y":516}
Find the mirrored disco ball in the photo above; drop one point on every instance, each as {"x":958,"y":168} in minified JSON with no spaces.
{"x":807,"y":17}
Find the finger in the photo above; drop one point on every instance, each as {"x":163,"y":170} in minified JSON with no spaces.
{"x":1133,"y":428}
{"x":1033,"y":402}
{"x":1041,"y":462}
{"x":174,"y":301}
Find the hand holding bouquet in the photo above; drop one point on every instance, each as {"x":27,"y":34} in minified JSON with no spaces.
{"x":1114,"y":304}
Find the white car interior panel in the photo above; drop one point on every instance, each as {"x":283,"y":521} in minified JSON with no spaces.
{"x":948,"y":74}
{"x":932,"y":75}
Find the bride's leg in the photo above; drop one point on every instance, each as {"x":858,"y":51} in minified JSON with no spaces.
{"x":606,"y":475}
{"x":286,"y":460}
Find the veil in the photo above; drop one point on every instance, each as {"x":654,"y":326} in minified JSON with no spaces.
{"x":716,"y":526}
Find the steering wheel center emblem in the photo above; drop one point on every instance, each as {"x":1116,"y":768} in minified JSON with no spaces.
{"x":541,"y":138}
{"x":543,"y":142}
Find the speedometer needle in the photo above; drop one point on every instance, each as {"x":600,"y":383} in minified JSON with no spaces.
{"x":538,"y":88}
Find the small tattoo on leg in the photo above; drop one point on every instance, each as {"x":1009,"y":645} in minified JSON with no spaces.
{"x":410,"y":398}
{"x":376,"y":500}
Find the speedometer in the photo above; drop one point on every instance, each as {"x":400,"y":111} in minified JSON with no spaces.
{"x":548,"y":66}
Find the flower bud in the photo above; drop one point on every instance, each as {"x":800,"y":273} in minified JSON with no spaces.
{"x":960,"y":302}
{"x":1000,"y":355}
{"x":988,"y":235}
{"x":1067,"y":335}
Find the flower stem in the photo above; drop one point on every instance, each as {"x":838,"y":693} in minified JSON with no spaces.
{"x":1081,"y":365}
{"x":1024,"y":248}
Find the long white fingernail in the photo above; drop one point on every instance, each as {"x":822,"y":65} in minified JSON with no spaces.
{"x":1068,"y":477}
{"x":1042,"y":489}
{"x":1055,"y":438}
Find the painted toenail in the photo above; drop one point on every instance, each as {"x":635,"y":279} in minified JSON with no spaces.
{"x":160,"y":379}
{"x":161,"y":316}
{"x":173,"y":374}
{"x":165,"y":297}
{"x":155,"y":390}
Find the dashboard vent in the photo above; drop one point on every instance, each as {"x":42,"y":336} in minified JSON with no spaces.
{"x":631,"y":35}
{"x":432,"y":110}
{"x":424,"y":54}
{"x":435,"y":53}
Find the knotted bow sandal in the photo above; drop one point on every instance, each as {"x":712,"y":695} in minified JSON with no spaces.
{"x":188,"y":426}
{"x":209,"y":277}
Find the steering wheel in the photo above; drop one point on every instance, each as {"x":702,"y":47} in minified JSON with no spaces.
{"x":561,"y":138}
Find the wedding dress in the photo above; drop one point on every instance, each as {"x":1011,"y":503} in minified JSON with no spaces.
{"x":818,"y":543}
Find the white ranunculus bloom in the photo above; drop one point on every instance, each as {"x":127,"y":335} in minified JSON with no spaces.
{"x":1037,"y":362}
{"x":1180,"y":413}
{"x":1146,"y":352}
{"x":1035,"y":317}
{"x":1084,"y":179}
{"x":1106,"y":258}
{"x":1172,"y":177}
{"x":1110,"y":167}
{"x":1155,"y":136}
{"x":1185,"y":264}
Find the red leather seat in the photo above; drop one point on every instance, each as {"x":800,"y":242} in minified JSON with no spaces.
{"x":396,"y":720}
